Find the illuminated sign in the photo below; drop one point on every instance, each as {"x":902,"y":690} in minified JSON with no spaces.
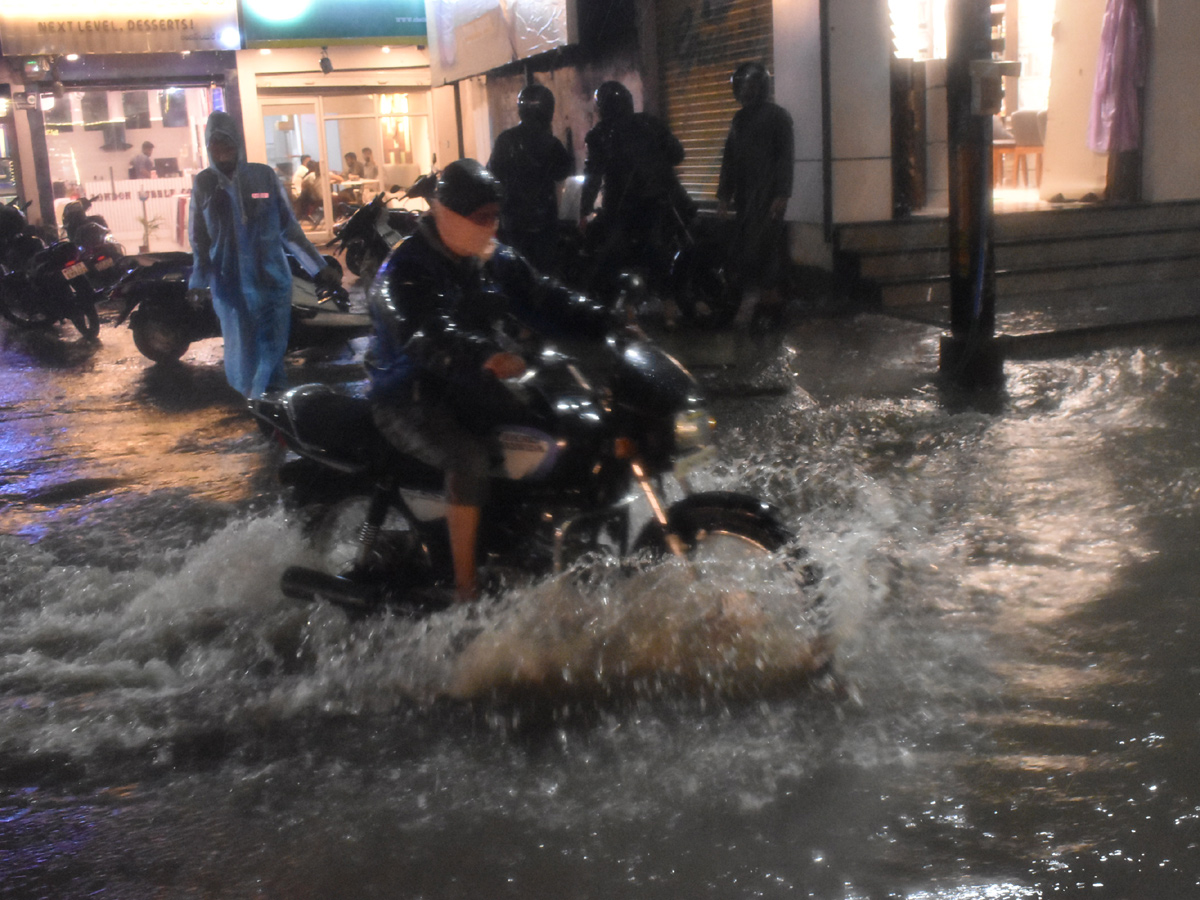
{"x":55,"y":27}
{"x":468,"y":37}
{"x":316,"y":23}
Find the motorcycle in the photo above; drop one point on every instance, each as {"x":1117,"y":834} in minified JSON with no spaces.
{"x":105,"y":259}
{"x":700,"y":280}
{"x":691,"y":274}
{"x":563,"y":490}
{"x":366,"y":238}
{"x":39,"y":285}
{"x":165,"y":321}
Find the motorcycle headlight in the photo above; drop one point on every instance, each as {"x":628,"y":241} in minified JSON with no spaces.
{"x":693,"y":430}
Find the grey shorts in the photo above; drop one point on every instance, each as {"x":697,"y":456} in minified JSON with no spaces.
{"x":432,"y":433}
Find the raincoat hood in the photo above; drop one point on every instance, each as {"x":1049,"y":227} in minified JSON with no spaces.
{"x":223,"y":125}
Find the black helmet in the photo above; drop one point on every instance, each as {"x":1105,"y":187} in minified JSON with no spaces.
{"x":465,"y":185}
{"x":751,"y":83}
{"x":613,"y":100}
{"x":535,"y":104}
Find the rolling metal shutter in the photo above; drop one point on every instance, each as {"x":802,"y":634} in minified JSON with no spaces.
{"x":700,"y":43}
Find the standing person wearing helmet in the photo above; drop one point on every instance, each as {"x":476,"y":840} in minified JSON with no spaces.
{"x":529,"y":162}
{"x":438,"y":352}
{"x":241,"y":225}
{"x":632,"y":157}
{"x":756,"y":178}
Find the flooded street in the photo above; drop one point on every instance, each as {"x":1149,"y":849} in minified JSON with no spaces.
{"x":1013,"y":586}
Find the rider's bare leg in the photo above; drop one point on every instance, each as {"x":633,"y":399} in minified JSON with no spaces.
{"x":463,"y":523}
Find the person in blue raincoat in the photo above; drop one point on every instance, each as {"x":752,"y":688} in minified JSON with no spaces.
{"x":240,"y":224}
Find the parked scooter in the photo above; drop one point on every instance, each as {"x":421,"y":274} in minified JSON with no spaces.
{"x":612,"y":428}
{"x":39,"y":285}
{"x":165,"y":322}
{"x":369,"y":235}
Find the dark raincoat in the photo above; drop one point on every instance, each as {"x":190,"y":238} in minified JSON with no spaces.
{"x":239,"y":229}
{"x":756,"y":170}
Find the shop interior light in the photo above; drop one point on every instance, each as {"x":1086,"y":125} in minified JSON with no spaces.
{"x":326,"y":64}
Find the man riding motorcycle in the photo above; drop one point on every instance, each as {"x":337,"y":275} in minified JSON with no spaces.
{"x":439,"y":351}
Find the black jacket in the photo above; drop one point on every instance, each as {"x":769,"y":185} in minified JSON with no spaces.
{"x":438,"y":317}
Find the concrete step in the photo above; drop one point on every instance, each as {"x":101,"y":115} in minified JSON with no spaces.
{"x":906,"y":263}
{"x":931,"y":233}
{"x":1144,"y":275}
{"x":920,"y":265}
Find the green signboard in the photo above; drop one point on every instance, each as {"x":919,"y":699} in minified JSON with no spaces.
{"x":316,"y":23}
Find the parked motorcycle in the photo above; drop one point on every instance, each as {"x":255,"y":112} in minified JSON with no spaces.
{"x":611,"y":428}
{"x":105,"y":259}
{"x":696,"y":279}
{"x":368,"y":236}
{"x":39,"y":285}
{"x":165,"y":321}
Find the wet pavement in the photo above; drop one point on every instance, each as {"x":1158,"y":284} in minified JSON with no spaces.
{"x":1013,"y":583}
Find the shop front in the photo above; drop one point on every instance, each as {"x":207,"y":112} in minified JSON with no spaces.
{"x":306,"y":124}
{"x":8,"y":148}
{"x":115,"y":99}
{"x":337,"y":100}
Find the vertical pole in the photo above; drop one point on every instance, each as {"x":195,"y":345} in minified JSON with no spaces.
{"x":970,"y":354}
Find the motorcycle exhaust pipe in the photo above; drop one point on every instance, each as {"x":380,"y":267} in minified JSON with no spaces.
{"x":300,"y":583}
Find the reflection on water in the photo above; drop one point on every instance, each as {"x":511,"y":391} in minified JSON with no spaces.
{"x":1012,"y":589}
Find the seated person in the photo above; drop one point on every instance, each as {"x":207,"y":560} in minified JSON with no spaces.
{"x":436,"y":361}
{"x":308,"y":204}
{"x":299,"y":175}
{"x":351,"y":169}
{"x":369,"y":170}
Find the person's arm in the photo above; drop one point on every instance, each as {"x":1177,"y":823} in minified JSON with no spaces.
{"x":545,"y":304}
{"x":200,"y":239}
{"x":726,"y":180}
{"x":562,"y":164}
{"x":593,"y":174}
{"x":296,"y":241}
{"x":784,"y":163}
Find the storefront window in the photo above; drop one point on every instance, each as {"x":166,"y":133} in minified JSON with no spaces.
{"x":95,"y":110}
{"x":393,"y":129}
{"x":137,"y":109}
{"x":91,"y":139}
{"x":173,"y":103}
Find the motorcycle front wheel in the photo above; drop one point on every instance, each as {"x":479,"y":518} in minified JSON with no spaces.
{"x":161,"y":333}
{"x":86,"y":320}
{"x":725,"y":531}
{"x":19,"y":303}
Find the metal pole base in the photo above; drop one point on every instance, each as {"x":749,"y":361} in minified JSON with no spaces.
{"x":972,"y":362}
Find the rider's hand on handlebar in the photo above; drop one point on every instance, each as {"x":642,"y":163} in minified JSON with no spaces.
{"x":505,"y":365}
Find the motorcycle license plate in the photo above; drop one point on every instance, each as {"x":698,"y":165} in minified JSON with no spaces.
{"x":104,"y":264}
{"x":74,"y":271}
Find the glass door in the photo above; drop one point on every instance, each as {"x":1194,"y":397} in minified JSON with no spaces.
{"x":335,"y":152}
{"x":297,"y":153}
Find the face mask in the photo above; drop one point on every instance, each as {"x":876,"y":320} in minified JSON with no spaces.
{"x":466,"y":236}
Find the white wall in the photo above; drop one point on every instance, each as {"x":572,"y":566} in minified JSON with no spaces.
{"x":1070,"y":167}
{"x":300,"y":67}
{"x":797,"y":51}
{"x":860,"y":37}
{"x":1172,"y":126}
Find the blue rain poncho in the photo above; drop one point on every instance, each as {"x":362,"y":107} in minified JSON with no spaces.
{"x":239,"y":228}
